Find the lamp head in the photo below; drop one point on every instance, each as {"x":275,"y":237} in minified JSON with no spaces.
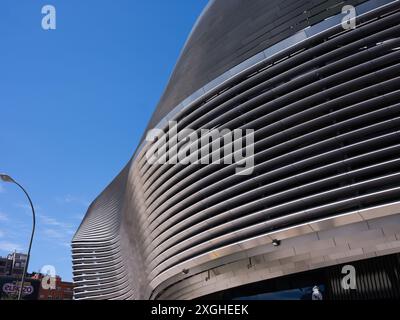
{"x":185,"y":271}
{"x":276,"y":242}
{"x":6,"y":178}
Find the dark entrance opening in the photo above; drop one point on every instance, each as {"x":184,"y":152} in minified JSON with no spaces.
{"x":376,"y":278}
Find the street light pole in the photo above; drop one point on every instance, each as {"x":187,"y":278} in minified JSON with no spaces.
{"x":7,"y":178}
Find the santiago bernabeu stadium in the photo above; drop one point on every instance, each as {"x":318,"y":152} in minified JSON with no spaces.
{"x":306,"y":189}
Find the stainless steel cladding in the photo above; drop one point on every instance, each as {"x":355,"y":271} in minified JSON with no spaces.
{"x":324,"y":104}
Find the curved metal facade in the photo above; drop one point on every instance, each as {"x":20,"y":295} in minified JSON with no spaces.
{"x":325,"y":106}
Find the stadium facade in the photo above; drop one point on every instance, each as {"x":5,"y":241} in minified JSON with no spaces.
{"x":323,"y":100}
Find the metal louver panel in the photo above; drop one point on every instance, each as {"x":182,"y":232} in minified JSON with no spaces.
{"x":326,"y":115}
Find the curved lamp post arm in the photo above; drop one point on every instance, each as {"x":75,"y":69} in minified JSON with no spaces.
{"x":30,"y":241}
{"x":7,"y":178}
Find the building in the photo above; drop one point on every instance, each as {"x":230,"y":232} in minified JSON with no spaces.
{"x":322,"y":96}
{"x":13,"y":265}
{"x":5,"y":266}
{"x":18,"y":263}
{"x":9,"y":288}
{"x":11,"y":269}
{"x":63,"y":290}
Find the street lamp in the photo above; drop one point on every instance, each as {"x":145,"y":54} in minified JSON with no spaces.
{"x":7,"y":178}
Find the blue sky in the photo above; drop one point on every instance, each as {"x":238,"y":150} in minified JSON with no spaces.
{"x":74,"y":103}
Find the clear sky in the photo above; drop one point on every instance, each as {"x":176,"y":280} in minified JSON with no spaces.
{"x":74,"y":103}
